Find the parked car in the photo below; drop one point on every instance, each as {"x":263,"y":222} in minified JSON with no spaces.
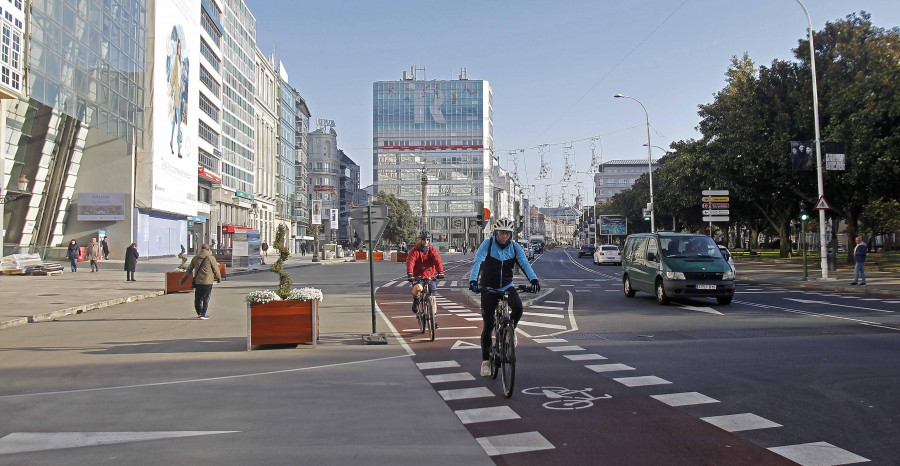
{"x":676,"y":265}
{"x":529,"y":253}
{"x":607,"y":254}
{"x":586,"y":250}
{"x":728,"y":257}
{"x":538,"y":248}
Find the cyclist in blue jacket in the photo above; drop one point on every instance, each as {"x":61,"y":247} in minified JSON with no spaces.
{"x":493,"y":268}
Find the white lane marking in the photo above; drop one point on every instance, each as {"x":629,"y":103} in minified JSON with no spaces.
{"x":465,"y":393}
{"x":477,"y":319}
{"x":445,"y":338}
{"x":535,"y":324}
{"x":403,"y":317}
{"x":457,"y":328}
{"x":465,"y":345}
{"x":818,"y":454}
{"x":684,"y":399}
{"x":809,"y":301}
{"x":540,"y":314}
{"x":20,"y":442}
{"x":816,"y":314}
{"x":453,"y":284}
{"x":453,"y":377}
{"x":514,"y":443}
{"x":555,"y":302}
{"x":740,"y":422}
{"x":552,"y":308}
{"x":469,"y":314}
{"x":889,"y":302}
{"x":397,"y":302}
{"x":388,"y":284}
{"x":641,"y":381}
{"x":551,"y":340}
{"x":609,"y":367}
{"x":869,"y":299}
{"x":583,"y":357}
{"x":583,"y":291}
{"x":565,"y":348}
{"x":708,"y":310}
{"x":436,"y":365}
{"x":494,"y":413}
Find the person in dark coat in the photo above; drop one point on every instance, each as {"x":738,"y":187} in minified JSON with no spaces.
{"x":206,"y":271}
{"x":72,"y":254}
{"x":105,"y":246}
{"x":131,"y":256}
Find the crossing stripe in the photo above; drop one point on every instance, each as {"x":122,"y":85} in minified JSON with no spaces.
{"x":583,"y":357}
{"x":550,"y":340}
{"x":540,"y":314}
{"x":684,"y":399}
{"x":641,"y":381}
{"x":494,"y":413}
{"x":465,"y":393}
{"x":454,"y":377}
{"x":453,"y":284}
{"x":514,"y":443}
{"x":817,"y":453}
{"x":436,"y":365}
{"x":552,"y":308}
{"x":740,"y":422}
{"x":609,"y":367}
{"x":565,"y":348}
{"x":535,"y":324}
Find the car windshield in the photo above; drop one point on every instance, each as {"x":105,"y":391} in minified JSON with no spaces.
{"x":689,"y":246}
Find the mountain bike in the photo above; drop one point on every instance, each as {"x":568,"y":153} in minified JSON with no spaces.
{"x":425,"y":306}
{"x":503,"y":347}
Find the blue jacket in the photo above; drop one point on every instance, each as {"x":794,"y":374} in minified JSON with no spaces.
{"x":496,"y":269}
{"x":859,"y":253}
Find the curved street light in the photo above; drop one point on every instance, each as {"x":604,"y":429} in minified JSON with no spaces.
{"x":649,"y":157}
{"x":667,"y":151}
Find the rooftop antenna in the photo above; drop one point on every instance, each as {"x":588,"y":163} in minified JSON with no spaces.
{"x":463,"y":74}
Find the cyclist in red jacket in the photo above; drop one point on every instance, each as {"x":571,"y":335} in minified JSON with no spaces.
{"x":424,"y":261}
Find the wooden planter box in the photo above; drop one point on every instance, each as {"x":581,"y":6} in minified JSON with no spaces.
{"x":222,"y":271}
{"x":399,"y":256}
{"x":173,"y":282}
{"x":282,"y":322}
{"x":363,"y":256}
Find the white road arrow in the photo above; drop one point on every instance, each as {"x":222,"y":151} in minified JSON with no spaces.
{"x":708,"y":310}
{"x":18,"y":442}
{"x":809,"y":301}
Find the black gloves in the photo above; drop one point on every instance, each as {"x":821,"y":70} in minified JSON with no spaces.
{"x":409,"y":278}
{"x":473,"y":285}
{"x":535,"y":286}
{"x":439,"y":276}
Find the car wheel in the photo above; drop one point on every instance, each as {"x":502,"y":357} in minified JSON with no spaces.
{"x":626,"y":283}
{"x":724,"y":300}
{"x":661,"y":297}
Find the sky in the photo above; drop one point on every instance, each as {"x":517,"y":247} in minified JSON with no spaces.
{"x":553,"y":66}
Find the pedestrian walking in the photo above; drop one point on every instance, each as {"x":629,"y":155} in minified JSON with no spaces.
{"x":859,"y":255}
{"x":92,"y":253}
{"x":131,"y":256}
{"x":403,"y":247}
{"x":465,"y":247}
{"x":205,"y":270}
{"x":265,"y":249}
{"x":105,"y":247}
{"x":72,"y":255}
{"x":303,"y":248}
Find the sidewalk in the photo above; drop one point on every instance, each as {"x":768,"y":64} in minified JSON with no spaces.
{"x":789,"y":272}
{"x":26,"y":299}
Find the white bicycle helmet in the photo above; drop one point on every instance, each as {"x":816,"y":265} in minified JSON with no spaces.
{"x":504,"y":224}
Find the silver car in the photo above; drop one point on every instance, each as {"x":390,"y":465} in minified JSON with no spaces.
{"x":607,"y":254}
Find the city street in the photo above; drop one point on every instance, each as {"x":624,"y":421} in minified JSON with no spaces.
{"x":781,"y":373}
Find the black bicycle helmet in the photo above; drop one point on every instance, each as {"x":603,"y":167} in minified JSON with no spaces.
{"x":424,"y":235}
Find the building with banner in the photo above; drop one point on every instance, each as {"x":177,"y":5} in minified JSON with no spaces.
{"x":324,"y":173}
{"x":441,"y":131}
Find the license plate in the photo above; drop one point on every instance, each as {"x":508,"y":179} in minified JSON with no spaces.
{"x":706,"y":287}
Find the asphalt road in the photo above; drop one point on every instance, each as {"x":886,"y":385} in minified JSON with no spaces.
{"x":780,"y":373}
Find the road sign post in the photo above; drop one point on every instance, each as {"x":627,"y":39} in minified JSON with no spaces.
{"x":380,"y":221}
{"x":715,"y":206}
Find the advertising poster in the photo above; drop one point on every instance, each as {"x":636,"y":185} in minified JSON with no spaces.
{"x":316,"y":212}
{"x":334,"y":219}
{"x":612,"y":225}
{"x":101,"y":206}
{"x":176,"y":73}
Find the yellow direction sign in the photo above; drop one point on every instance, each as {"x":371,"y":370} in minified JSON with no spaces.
{"x":715,"y":198}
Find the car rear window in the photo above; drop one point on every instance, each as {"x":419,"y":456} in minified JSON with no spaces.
{"x":609,"y":248}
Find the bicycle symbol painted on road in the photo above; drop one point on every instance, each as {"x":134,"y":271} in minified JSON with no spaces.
{"x":565,"y":399}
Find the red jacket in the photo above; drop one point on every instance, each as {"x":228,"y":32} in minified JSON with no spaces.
{"x":424,"y":264}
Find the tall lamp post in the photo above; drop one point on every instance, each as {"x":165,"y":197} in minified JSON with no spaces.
{"x":649,"y":158}
{"x":823,"y":251}
{"x":11,"y":197}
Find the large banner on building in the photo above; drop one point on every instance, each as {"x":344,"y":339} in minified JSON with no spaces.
{"x":175,"y":73}
{"x":101,"y":206}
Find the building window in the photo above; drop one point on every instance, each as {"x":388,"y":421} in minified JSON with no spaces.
{"x":211,"y":29}
{"x":206,"y":160}
{"x":210,"y":55}
{"x":208,"y":107}
{"x":208,"y":81}
{"x":208,"y":134}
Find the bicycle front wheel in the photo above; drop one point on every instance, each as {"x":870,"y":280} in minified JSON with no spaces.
{"x":507,"y":360}
{"x":420,"y":315}
{"x":430,"y":317}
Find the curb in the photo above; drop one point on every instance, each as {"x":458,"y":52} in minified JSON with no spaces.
{"x":53,"y":315}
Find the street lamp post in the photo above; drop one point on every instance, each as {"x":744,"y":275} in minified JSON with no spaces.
{"x":649,"y":158}
{"x":823,"y":251}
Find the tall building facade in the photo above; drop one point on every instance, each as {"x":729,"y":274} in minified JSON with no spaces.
{"x":287,"y":153}
{"x":446,"y":129}
{"x":324,"y":175}
{"x":348,"y":193}
{"x":301,"y":172}
{"x":617,"y":175}
{"x":266,"y":147}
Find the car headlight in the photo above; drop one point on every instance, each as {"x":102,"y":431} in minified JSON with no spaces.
{"x":675,"y":275}
{"x":728,"y":276}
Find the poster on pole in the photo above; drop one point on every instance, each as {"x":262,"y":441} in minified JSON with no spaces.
{"x":334,"y":219}
{"x":316,"y":212}
{"x":612,"y":225}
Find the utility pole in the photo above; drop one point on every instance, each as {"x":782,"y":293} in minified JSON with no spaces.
{"x":424,"y":199}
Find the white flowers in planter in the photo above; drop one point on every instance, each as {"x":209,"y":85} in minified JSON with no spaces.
{"x":297,"y":294}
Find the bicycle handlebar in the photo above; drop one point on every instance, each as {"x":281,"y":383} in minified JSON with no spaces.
{"x":524,"y":288}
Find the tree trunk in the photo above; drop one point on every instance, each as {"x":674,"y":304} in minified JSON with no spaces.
{"x":754,"y":238}
{"x":785,"y":234}
{"x":852,"y":233}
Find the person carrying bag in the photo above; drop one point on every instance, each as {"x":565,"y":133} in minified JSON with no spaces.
{"x":205,"y":270}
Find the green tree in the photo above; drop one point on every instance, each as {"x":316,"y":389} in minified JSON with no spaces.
{"x":401,"y":221}
{"x":880,"y":217}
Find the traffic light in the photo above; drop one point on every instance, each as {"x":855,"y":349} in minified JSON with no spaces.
{"x":521,"y":223}
{"x":804,"y":214}
{"x":646,"y":214}
{"x":480,"y":220}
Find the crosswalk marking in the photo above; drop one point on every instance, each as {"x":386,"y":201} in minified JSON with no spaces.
{"x":641,"y":381}
{"x":555,"y":302}
{"x":453,"y":377}
{"x":684,"y":399}
{"x":740,"y":422}
{"x":552,"y":308}
{"x":817,"y":453}
{"x":436,"y":365}
{"x":565,"y":348}
{"x":465,"y":393}
{"x":549,"y":340}
{"x":536,"y":324}
{"x":476,"y":319}
{"x":514,"y":443}
{"x":540,"y":314}
{"x":453,"y":284}
{"x":583,"y":357}
{"x":469,"y":314}
{"x":609,"y":367}
{"x":494,"y":413}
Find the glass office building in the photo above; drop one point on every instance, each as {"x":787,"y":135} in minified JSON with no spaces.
{"x":445,"y":128}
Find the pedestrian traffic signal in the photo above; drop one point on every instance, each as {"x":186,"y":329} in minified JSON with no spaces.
{"x":804,"y":214}
{"x":480,"y":219}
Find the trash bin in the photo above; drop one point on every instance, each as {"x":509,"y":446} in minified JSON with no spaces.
{"x":832,"y":255}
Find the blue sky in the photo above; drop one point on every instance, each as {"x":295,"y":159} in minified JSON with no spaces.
{"x":554,"y":66}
